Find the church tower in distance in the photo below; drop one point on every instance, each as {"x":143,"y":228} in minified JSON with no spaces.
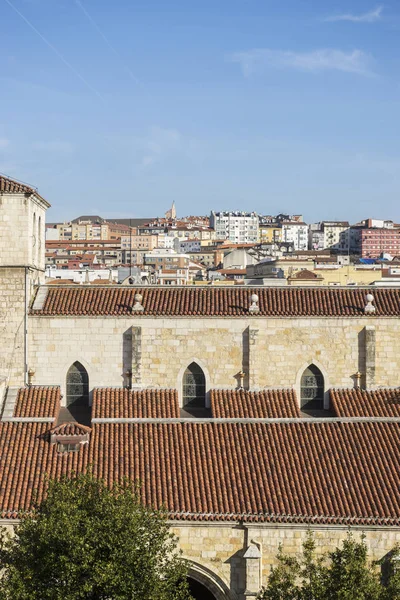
{"x":171,"y":213}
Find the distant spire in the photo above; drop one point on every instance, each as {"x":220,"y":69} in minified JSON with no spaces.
{"x":171,"y":213}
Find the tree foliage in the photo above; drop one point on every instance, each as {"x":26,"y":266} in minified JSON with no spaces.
{"x":86,"y":541}
{"x":344,"y":574}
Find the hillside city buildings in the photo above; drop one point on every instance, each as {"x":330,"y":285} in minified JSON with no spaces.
{"x":253,"y":413}
{"x":224,"y":248}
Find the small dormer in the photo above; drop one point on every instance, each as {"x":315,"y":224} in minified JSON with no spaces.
{"x":69,"y":437}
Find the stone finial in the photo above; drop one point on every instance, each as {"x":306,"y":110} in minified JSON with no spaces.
{"x":241,"y":376}
{"x":357,"y":379}
{"x":254,"y":308}
{"x":369,"y":308}
{"x":31,"y":374}
{"x":138,"y":307}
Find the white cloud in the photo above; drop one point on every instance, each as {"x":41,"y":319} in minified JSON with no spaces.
{"x":368,"y":17}
{"x":259,"y":59}
{"x":4,"y":143}
{"x":54,"y":146}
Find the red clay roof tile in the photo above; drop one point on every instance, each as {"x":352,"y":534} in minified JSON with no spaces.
{"x":69,"y":429}
{"x":242,"y":404}
{"x":366,"y":403}
{"x":38,"y":401}
{"x":217,"y":301}
{"x":311,"y":472}
{"x":114,"y":403}
{"x":10,"y":186}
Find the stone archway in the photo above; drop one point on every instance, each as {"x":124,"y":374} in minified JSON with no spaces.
{"x":199,"y":591}
{"x":206,"y":585}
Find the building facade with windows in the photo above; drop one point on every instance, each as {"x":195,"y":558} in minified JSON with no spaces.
{"x":253,"y":414}
{"x":379,"y":240}
{"x":238,"y":227}
{"x":295,"y":232}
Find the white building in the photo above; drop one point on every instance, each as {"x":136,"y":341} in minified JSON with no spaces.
{"x":188,"y":246}
{"x":336,"y":235}
{"x":296,"y":233}
{"x":238,"y":227}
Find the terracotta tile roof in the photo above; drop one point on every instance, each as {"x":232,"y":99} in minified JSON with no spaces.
{"x":114,"y":403}
{"x":217,"y":301}
{"x":306,"y":275}
{"x":10,"y":186}
{"x":38,"y":401}
{"x":362,"y":403}
{"x":60,"y":281}
{"x":69,"y":429}
{"x":265,"y":404}
{"x":274,"y":472}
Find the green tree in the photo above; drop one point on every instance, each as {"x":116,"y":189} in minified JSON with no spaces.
{"x":343,"y":574}
{"x":297,"y":578}
{"x":86,"y":541}
{"x":350,"y":576}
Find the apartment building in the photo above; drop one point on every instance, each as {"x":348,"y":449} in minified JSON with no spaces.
{"x":336,"y":235}
{"x":139,"y":242}
{"x":237,"y":227}
{"x":295,"y":232}
{"x":270,"y":233}
{"x":375,"y":241}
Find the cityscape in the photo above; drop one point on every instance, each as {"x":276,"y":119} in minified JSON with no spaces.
{"x":199,"y":300}
{"x":223,"y":248}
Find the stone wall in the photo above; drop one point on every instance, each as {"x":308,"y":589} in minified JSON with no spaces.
{"x":12,"y":324}
{"x":22,"y":231}
{"x":273,"y":352}
{"x":222,"y":548}
{"x":234,"y":560}
{"x":22,"y":234}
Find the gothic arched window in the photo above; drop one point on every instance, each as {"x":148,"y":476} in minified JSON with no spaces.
{"x":194,"y":387}
{"x":312,"y":388}
{"x":77,"y":385}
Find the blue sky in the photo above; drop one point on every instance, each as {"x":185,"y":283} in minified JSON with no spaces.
{"x":120,"y":107}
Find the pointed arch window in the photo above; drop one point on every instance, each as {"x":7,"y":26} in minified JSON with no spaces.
{"x":312,"y":388}
{"x":77,"y":385}
{"x":194,"y":387}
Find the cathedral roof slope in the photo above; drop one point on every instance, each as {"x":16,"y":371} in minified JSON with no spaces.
{"x":117,"y":403}
{"x":309,"y":472}
{"x":242,"y":404}
{"x":38,"y":401}
{"x":216,"y":301}
{"x":11,"y":186}
{"x":383,"y":402}
{"x":70,"y":428}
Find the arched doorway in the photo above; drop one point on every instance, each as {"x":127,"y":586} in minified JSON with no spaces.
{"x":207,"y":585}
{"x":194,"y":387}
{"x":199,"y":591}
{"x":312,"y":389}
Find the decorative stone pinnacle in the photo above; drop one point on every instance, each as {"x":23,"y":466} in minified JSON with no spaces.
{"x":357,"y":379}
{"x":254,"y":308}
{"x":369,"y":307}
{"x":138,"y":307}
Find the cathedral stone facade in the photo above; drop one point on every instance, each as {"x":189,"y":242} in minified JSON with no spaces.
{"x":252,"y":414}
